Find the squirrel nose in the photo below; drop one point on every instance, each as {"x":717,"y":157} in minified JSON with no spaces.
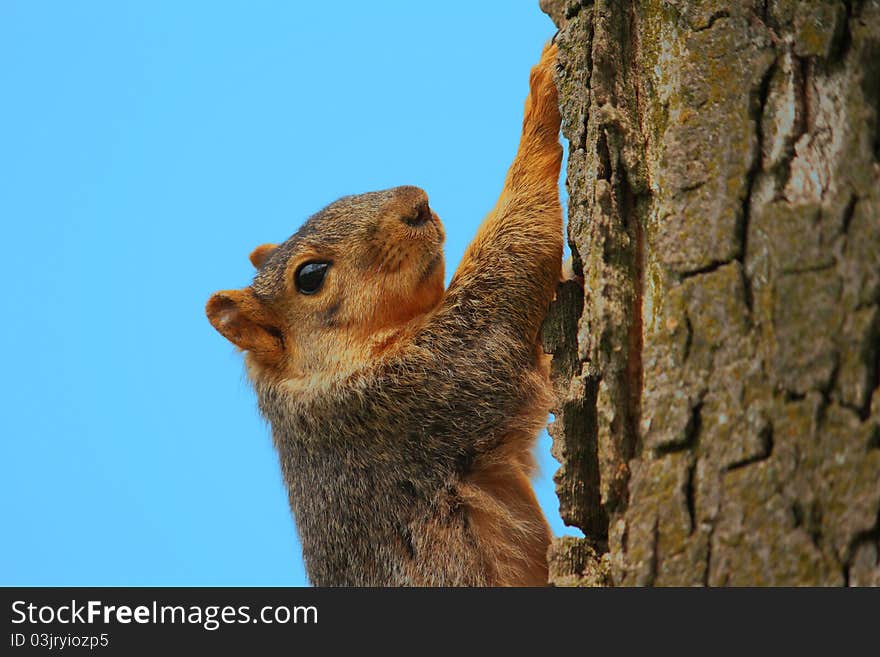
{"x":420,"y":217}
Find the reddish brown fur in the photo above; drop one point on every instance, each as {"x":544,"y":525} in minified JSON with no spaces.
{"x":303,"y":351}
{"x":259,"y":255}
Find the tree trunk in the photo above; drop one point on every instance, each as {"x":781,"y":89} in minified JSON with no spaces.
{"x":719,"y":413}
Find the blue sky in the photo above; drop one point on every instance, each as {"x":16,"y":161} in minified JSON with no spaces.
{"x":146,"y":149}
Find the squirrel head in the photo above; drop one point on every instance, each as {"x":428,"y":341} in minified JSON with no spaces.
{"x":359,"y":268}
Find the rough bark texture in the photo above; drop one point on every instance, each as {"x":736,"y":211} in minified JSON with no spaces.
{"x":719,"y":413}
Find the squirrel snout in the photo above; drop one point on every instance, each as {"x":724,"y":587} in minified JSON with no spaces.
{"x":420,"y":217}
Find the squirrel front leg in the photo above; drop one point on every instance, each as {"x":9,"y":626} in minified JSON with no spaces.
{"x":514,"y":263}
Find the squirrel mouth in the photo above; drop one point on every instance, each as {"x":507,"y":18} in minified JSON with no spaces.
{"x":431,"y":267}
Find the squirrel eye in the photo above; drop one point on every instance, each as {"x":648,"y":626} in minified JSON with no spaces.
{"x":310,"y":276}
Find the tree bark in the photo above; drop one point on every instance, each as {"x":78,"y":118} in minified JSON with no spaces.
{"x":718,"y":419}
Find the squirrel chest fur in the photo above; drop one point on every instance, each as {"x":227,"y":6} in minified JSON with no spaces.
{"x":404,"y":414}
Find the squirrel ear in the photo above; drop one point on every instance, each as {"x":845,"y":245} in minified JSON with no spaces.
{"x":261,"y":253}
{"x":243,"y":320}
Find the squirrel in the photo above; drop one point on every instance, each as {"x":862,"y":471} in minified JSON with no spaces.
{"x":404,"y":414}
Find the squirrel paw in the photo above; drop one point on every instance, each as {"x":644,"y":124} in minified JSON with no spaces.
{"x":542,"y":106}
